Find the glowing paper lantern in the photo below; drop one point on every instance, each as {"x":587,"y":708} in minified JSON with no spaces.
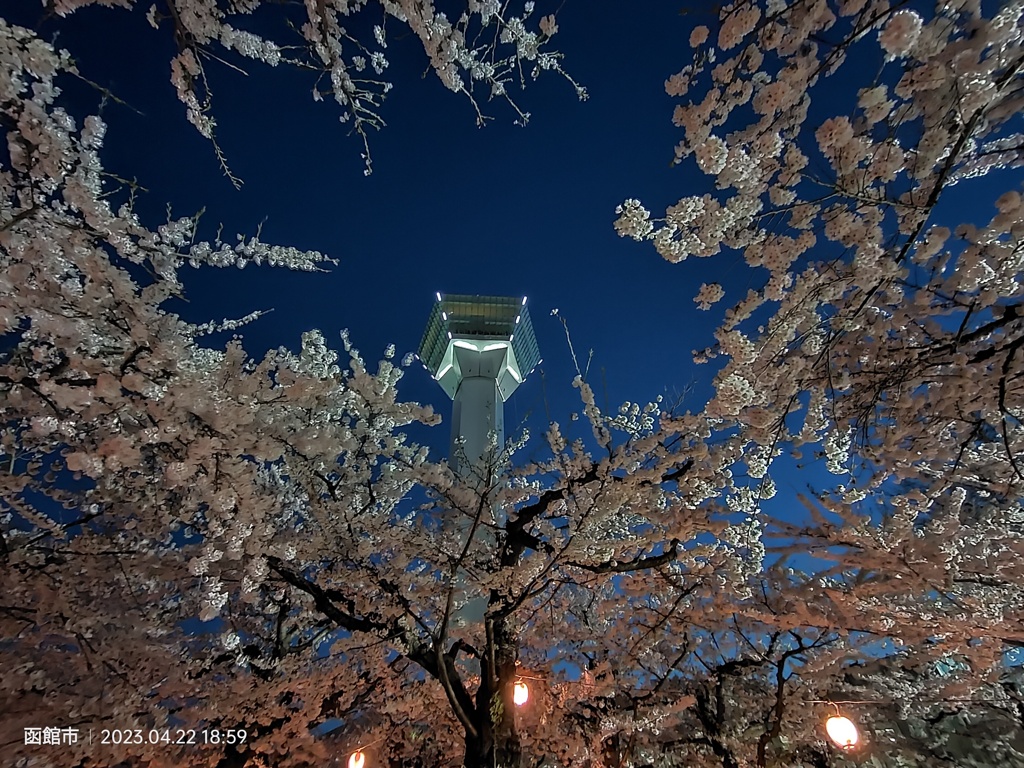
{"x":842,"y":731}
{"x":520,"y":693}
{"x":357,"y":760}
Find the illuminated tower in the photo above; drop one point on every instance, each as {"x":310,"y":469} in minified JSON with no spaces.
{"x":479,"y":349}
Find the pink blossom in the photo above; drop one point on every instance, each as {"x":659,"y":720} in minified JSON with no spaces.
{"x":708,"y":295}
{"x":900,"y":32}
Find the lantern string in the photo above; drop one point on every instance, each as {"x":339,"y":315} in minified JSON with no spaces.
{"x":883,"y":702}
{"x":368,"y":744}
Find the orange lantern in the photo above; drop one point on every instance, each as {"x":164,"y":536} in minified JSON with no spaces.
{"x":357,"y":759}
{"x":842,"y":731}
{"x":520,"y":693}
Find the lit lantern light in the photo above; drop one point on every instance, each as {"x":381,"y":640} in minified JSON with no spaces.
{"x":357,"y":759}
{"x":520,"y":693}
{"x":842,"y":731}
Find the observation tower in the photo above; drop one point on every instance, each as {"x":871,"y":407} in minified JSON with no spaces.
{"x":479,"y":349}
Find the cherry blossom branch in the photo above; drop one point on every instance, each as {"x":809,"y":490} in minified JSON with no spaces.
{"x":324,"y":602}
{"x":638,"y":563}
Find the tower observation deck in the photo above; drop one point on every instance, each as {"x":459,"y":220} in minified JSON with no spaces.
{"x":479,"y":349}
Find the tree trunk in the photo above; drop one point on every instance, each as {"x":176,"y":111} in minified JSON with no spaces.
{"x":496,"y":743}
{"x":494,"y":750}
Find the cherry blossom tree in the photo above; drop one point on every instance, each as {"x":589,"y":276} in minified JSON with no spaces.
{"x":173,"y":484}
{"x":215,"y":557}
{"x":885,"y":335}
{"x":483,"y":52}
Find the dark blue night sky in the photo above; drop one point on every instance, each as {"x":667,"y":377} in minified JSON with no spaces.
{"x":497,"y":210}
{"x":449,"y":207}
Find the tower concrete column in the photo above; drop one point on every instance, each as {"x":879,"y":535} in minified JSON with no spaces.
{"x":479,"y":349}
{"x":477,"y":409}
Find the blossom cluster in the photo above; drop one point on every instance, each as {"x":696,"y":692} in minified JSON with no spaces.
{"x":708,"y":295}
